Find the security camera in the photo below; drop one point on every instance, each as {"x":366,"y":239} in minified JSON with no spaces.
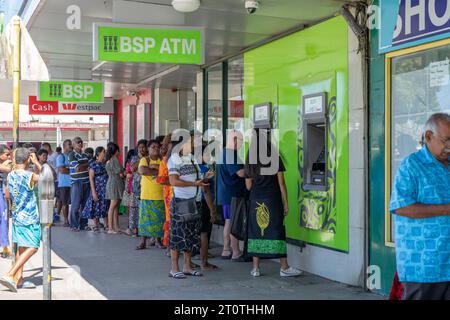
{"x":251,"y":6}
{"x":131,"y":93}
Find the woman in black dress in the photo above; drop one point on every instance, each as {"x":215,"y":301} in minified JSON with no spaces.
{"x":268,"y":205}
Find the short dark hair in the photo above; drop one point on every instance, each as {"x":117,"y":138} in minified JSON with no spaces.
{"x":160,"y":139}
{"x":58,"y":149}
{"x":152,"y":141}
{"x":98,"y":150}
{"x":46,"y":144}
{"x":21,"y":155}
{"x":41,"y":152}
{"x":142,"y":141}
{"x":66,"y":142}
{"x":89,"y":150}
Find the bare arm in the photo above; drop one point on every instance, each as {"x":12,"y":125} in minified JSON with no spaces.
{"x":241,"y":173}
{"x":6,"y":166}
{"x":91,"y":180}
{"x":82,"y":167}
{"x":149,"y":171}
{"x":283,"y":190}
{"x":177,"y":182}
{"x":248,"y":184}
{"x":210,"y":202}
{"x":423,"y":211}
{"x":64,"y":170}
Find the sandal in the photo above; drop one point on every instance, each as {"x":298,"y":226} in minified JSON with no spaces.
{"x":9,"y":283}
{"x":226,"y":256}
{"x":26,"y":285}
{"x":193,"y":273}
{"x":142,"y":246}
{"x":96,"y":229}
{"x":177,"y":275}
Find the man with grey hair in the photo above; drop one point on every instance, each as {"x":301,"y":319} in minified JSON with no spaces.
{"x":420,"y":203}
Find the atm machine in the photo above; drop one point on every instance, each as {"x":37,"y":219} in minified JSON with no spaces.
{"x":314,"y":118}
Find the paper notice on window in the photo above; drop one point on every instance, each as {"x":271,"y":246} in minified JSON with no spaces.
{"x":440,"y":73}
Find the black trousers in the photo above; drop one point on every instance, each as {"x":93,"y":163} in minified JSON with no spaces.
{"x":426,"y":291}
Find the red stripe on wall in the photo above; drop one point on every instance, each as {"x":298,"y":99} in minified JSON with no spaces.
{"x":119,"y":133}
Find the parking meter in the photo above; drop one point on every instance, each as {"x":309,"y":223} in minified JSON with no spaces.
{"x":46,"y":191}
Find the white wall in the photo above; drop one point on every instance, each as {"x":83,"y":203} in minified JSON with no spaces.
{"x":173,"y":105}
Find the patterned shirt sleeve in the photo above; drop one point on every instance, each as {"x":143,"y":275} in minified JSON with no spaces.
{"x":73,"y":162}
{"x":405,"y":188}
{"x":174,"y":166}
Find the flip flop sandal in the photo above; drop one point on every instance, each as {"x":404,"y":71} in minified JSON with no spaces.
{"x":141,"y":247}
{"x":9,"y":283}
{"x":27,"y":285}
{"x":210,"y":267}
{"x":194,"y":273}
{"x":177,"y":275}
{"x":227,"y":257}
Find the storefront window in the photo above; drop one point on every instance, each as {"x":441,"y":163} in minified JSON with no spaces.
{"x":420,"y":87}
{"x":236,"y":94}
{"x":215,"y":97}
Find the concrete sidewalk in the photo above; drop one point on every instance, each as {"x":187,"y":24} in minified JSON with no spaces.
{"x":88,"y":265}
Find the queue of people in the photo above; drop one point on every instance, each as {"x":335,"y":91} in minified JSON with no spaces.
{"x":168,"y":193}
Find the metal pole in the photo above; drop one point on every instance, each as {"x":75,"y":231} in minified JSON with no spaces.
{"x":16,"y":81}
{"x":47,"y":270}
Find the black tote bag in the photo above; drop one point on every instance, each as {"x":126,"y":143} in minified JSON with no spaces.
{"x":239,"y":215}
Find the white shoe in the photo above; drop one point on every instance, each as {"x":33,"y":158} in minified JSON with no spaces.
{"x":255,"y":273}
{"x":290,"y":272}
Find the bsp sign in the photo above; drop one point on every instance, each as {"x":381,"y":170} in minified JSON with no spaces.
{"x":406,"y":23}
{"x":71,"y":91}
{"x":148,"y":44}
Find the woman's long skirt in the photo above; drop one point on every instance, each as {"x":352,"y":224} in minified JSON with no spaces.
{"x":266,"y":232}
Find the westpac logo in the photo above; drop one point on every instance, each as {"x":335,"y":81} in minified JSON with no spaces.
{"x":69,"y":106}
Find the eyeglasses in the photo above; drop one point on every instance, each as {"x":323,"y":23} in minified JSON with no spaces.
{"x":79,"y":142}
{"x":445,"y":142}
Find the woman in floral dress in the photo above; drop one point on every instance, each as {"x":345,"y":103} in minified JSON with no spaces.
{"x":97,"y":205}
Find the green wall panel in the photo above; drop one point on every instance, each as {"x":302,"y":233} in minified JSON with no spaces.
{"x":310,"y":61}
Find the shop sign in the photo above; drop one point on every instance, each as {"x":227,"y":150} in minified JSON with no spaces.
{"x":107,"y":107}
{"x":155,"y":44}
{"x":408,"y":23}
{"x":41,"y":107}
{"x":38,"y":107}
{"x":71,"y":91}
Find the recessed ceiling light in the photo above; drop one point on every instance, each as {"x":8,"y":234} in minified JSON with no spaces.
{"x":186,"y":5}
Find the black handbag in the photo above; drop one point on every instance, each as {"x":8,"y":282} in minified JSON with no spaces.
{"x":187,"y":209}
{"x":239,"y":216}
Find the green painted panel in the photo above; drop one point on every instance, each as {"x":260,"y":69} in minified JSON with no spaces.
{"x":148,"y":44}
{"x":310,"y":61}
{"x":380,"y":255}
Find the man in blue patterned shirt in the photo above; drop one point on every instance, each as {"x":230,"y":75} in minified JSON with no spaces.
{"x":420,"y":203}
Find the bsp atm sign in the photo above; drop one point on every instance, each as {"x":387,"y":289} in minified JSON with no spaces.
{"x":71,"y":91}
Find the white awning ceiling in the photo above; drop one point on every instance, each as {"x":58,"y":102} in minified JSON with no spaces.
{"x":228,"y":29}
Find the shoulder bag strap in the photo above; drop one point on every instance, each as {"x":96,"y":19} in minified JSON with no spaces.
{"x":196,"y":171}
